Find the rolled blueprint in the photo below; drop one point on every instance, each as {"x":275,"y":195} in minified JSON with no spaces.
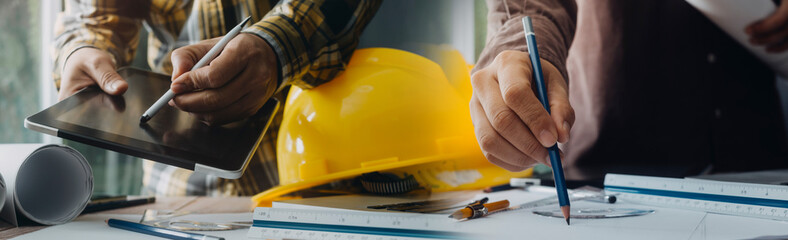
{"x":733,"y":16}
{"x":44,"y":184}
{"x":2,"y":192}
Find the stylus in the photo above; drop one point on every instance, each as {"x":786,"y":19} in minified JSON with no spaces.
{"x":204,"y":61}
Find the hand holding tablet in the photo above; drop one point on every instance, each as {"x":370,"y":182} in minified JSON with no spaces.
{"x":174,"y":137}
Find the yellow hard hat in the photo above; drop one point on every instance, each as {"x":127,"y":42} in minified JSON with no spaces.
{"x":390,"y":111}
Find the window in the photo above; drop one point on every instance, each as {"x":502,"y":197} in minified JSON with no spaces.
{"x":26,"y":86}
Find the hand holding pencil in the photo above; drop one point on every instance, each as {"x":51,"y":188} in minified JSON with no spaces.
{"x":555,"y":157}
{"x":511,"y":125}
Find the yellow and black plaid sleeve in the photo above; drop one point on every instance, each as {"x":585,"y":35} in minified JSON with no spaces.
{"x":314,"y":40}
{"x":109,"y":25}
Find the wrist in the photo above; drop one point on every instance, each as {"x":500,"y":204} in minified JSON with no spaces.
{"x":269,"y":58}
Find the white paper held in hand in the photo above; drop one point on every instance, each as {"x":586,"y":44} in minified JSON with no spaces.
{"x":733,"y":16}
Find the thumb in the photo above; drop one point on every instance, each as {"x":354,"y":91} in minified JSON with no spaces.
{"x":104,"y":74}
{"x":560,"y":110}
{"x":771,"y":23}
{"x":184,"y":58}
{"x":181,"y":62}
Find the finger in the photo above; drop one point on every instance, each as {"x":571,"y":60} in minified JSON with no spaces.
{"x":779,"y":47}
{"x":209,"y":100}
{"x":228,"y":64}
{"x":184,"y":58}
{"x":514,"y":78}
{"x":493,"y":144}
{"x":560,"y":109}
{"x":770,"y":38}
{"x":771,"y":23}
{"x":503,"y":119}
{"x":507,"y":166}
{"x":102,"y":71}
{"x":244,"y":108}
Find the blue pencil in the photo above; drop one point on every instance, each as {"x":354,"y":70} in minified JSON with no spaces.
{"x":159,"y":232}
{"x":555,"y":158}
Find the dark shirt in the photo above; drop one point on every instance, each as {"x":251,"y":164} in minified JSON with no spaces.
{"x":653,"y":83}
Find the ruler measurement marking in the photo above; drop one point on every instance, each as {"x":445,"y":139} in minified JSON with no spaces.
{"x":343,"y":225}
{"x":755,"y":200}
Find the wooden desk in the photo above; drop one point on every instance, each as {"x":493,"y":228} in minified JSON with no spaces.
{"x":191,"y":204}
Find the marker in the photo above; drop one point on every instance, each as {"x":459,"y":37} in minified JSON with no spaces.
{"x":157,"y":231}
{"x":205,"y":59}
{"x":115,"y":203}
{"x":555,"y":158}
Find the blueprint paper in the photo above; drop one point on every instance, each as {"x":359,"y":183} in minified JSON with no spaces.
{"x":47,"y":184}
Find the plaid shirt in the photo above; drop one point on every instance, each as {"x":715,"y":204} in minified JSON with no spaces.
{"x":313,"y":41}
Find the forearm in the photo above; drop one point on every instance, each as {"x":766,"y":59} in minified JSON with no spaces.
{"x":111,"y":26}
{"x":313,"y":40}
{"x":554,"y":24}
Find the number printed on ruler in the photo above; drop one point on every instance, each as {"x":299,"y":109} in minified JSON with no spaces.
{"x":368,"y":219}
{"x":754,"y":200}
{"x":709,"y":206}
{"x":282,"y":223}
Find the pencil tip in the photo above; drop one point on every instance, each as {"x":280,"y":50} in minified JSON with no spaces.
{"x":565,"y":211}
{"x":144,"y":119}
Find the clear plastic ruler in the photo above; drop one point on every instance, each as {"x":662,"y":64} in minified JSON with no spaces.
{"x":741,"y":199}
{"x":553,"y":200}
{"x":284,"y":223}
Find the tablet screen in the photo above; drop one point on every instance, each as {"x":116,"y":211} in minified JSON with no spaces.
{"x":172,"y":136}
{"x":169,"y":127}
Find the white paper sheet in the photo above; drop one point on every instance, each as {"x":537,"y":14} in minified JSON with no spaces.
{"x":523,"y":224}
{"x":664,"y":223}
{"x":520,"y":224}
{"x":92,"y":226}
{"x":733,"y":16}
{"x":51,"y":187}
{"x":716,"y":226}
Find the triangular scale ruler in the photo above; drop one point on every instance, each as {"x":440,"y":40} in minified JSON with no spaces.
{"x":740,"y":199}
{"x":284,"y":223}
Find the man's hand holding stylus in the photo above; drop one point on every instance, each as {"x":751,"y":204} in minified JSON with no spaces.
{"x":233,"y":86}
{"x":512,"y":127}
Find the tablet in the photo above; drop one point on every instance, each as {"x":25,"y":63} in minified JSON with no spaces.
{"x":172,"y":137}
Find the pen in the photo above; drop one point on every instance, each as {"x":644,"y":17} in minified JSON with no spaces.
{"x":157,"y":231}
{"x":114,"y":203}
{"x":479,"y":209}
{"x":555,"y":158}
{"x":205,"y":59}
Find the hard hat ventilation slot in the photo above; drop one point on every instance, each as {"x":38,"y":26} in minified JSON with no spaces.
{"x":388,"y":183}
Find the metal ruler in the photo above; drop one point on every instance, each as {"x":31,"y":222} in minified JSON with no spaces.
{"x":741,"y":199}
{"x":283,"y":223}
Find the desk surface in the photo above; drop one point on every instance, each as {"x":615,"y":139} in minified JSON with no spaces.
{"x":191,"y":204}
